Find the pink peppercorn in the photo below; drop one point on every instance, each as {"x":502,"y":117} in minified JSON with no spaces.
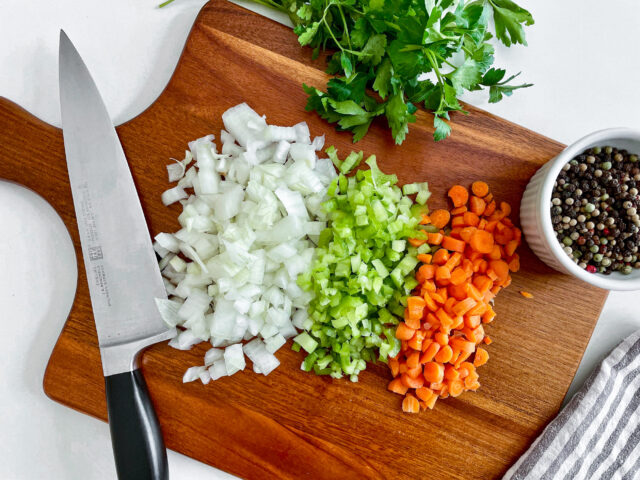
{"x":591,"y":269}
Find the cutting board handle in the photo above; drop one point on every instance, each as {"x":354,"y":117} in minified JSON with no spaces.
{"x":137,"y":441}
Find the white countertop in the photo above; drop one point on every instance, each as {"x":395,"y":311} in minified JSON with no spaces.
{"x":581,"y":57}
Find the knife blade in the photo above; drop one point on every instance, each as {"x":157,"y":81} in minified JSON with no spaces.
{"x":122,"y":271}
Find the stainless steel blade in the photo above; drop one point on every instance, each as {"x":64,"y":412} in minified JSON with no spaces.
{"x":122,"y":270}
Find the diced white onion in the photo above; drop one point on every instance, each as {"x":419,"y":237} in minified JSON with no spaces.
{"x":248,"y":231}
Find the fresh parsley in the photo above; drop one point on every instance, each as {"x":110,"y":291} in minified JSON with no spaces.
{"x":390,"y":56}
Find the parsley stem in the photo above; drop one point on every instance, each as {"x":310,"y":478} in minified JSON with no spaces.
{"x":344,"y":22}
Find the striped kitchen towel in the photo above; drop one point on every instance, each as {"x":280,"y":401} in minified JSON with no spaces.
{"x":597,"y":435}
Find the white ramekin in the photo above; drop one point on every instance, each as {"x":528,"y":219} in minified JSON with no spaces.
{"x":535,"y":215}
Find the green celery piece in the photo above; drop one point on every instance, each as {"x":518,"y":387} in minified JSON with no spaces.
{"x":306,"y":342}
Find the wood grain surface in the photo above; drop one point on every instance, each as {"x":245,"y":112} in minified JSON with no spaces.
{"x":292,"y":424}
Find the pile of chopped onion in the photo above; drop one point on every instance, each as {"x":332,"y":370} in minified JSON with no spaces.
{"x":248,"y":231}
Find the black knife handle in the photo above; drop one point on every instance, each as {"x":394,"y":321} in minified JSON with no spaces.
{"x":136,"y":437}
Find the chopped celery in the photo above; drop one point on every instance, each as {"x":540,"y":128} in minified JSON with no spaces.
{"x":363,"y":269}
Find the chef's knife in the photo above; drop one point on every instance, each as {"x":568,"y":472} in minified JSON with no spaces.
{"x":122,"y":270}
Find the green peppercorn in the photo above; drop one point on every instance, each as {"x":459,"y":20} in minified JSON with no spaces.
{"x":594,"y":249}
{"x":567,"y":241}
{"x":608,"y":150}
{"x":606,"y":262}
{"x":605,"y":165}
{"x":597,"y":257}
{"x":596,"y":150}
{"x":633,"y":158}
{"x":627,"y":269}
{"x":604,"y":241}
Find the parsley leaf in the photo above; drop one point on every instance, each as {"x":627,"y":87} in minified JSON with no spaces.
{"x":508,"y":18}
{"x":385,"y":47}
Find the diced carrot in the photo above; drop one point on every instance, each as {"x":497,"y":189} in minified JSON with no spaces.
{"x":526,"y":294}
{"x":488,"y":341}
{"x":482,"y":283}
{"x":425,"y":257}
{"x":441,"y":338}
{"x":440,"y":257}
{"x":458,"y":195}
{"x":413,"y":359}
{"x":472,"y":321}
{"x":453,"y":244}
{"x":463,"y":356}
{"x":492,"y":274}
{"x":432,"y":402}
{"x":434,"y":238}
{"x":416,"y":242}
{"x":444,"y":355}
{"x":477,"y":205}
{"x":444,"y":317}
{"x":504,"y":236}
{"x":425,"y":272}
{"x":479,"y":309}
{"x":506,"y":208}
{"x":396,"y":386}
{"x":424,"y":393}
{"x":510,"y":247}
{"x":438,"y":298}
{"x":394,"y":365}
{"x":456,"y":387}
{"x":450,"y":373}
{"x":460,"y":344}
{"x":517,"y":234}
{"x":481,"y":241}
{"x":514,"y":263}
{"x":454,"y":261}
{"x":464,"y":306}
{"x":440,"y":218}
{"x":403,"y":332}
{"x":458,"y":292}
{"x":403,"y":367}
{"x":455,"y":233}
{"x":442,"y":291}
{"x":491,"y":207}
{"x":458,"y":222}
{"x":430,"y":353}
{"x":414,"y":372}
{"x":495,"y":254}
{"x":448,"y":305}
{"x":459,"y":210}
{"x":458,"y":276}
{"x":481,"y":357}
{"x":479,"y":188}
{"x":483,"y":224}
{"x":501,"y":269}
{"x":471,"y":219}
{"x":425,"y":219}
{"x":415,"y":306}
{"x":491,"y":225}
{"x":433,"y":372}
{"x":487,"y":198}
{"x":411,"y":322}
{"x":430,"y":303}
{"x":412,"y":382}
{"x":410,"y":404}
{"x":467,"y":266}
{"x":473,"y":292}
{"x":466,"y":233}
{"x":425,"y":344}
{"x":442,"y":274}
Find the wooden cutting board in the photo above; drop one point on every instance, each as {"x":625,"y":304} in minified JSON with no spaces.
{"x":292,"y":424}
